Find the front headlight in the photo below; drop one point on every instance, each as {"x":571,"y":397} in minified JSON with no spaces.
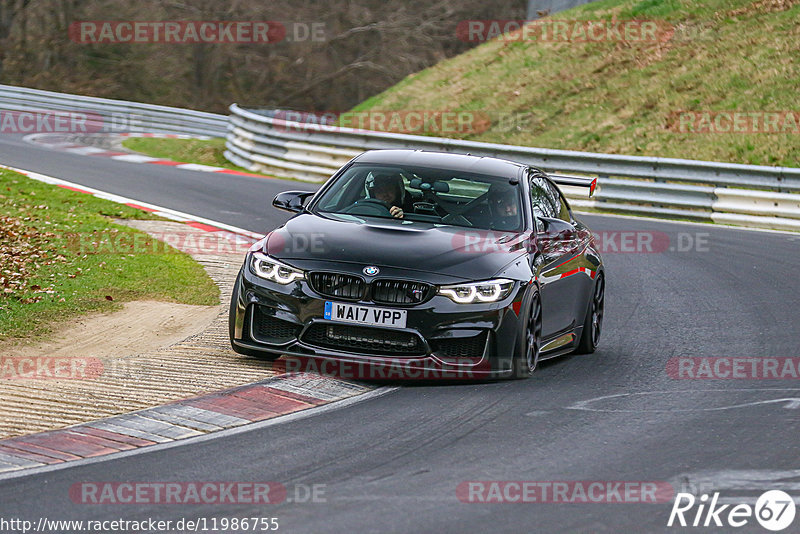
{"x":271,"y":269}
{"x":488,"y":291}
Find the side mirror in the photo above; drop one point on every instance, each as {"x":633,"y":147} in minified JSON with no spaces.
{"x":555,"y":227}
{"x":291,"y":200}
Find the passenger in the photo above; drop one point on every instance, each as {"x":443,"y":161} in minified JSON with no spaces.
{"x":504,"y":207}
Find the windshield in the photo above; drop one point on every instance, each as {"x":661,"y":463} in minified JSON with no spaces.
{"x":438,"y":196}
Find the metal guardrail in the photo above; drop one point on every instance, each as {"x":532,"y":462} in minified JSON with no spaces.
{"x":115,"y":115}
{"x":728,"y":193}
{"x":749,"y":195}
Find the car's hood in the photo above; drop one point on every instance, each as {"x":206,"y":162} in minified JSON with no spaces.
{"x":458,"y":252}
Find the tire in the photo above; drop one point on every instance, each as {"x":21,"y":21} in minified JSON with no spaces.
{"x":593,"y":321}
{"x":267,"y":356}
{"x":529,"y":341}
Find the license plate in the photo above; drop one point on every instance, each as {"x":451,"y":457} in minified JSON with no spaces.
{"x":352,"y":313}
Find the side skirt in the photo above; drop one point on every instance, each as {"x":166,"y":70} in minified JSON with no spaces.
{"x":561,"y":345}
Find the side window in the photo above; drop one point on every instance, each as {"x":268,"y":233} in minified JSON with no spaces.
{"x":561,"y":204}
{"x":541,"y":198}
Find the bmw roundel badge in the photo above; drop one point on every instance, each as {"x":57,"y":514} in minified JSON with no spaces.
{"x":371,"y":270}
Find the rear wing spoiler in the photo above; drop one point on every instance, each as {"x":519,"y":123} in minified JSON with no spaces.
{"x":576,"y":181}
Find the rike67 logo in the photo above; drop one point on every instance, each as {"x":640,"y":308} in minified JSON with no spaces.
{"x":774,"y":510}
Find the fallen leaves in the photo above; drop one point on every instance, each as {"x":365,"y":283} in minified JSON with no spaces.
{"x":764,"y":6}
{"x":23,"y":249}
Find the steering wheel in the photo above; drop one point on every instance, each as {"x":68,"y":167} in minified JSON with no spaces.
{"x":369,"y":206}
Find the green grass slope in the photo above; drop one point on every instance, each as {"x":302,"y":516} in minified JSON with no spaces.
{"x":623,"y":98}
{"x":62,"y":255}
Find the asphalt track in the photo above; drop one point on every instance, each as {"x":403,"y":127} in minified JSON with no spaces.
{"x":392,"y":463}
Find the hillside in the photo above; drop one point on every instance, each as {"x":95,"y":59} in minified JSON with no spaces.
{"x":635,"y":97}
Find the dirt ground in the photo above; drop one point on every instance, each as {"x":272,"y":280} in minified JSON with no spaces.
{"x":147,"y":354}
{"x":139,"y":327}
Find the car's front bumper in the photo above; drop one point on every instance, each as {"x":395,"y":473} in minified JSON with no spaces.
{"x":453,"y":341}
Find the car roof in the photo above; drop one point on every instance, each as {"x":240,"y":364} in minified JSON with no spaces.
{"x":442,"y":160}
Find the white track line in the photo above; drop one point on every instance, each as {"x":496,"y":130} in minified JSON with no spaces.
{"x":158,"y":210}
{"x":692,"y":223}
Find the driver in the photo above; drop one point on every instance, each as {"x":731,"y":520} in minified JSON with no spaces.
{"x":389,"y":188}
{"x":504,"y":207}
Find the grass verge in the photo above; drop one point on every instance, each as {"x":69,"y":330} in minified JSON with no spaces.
{"x":625,"y":97}
{"x":47,"y":276}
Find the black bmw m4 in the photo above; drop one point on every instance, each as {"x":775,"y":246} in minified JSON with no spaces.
{"x":436,"y":264}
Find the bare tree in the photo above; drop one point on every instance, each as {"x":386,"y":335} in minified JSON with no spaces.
{"x":368,"y":46}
